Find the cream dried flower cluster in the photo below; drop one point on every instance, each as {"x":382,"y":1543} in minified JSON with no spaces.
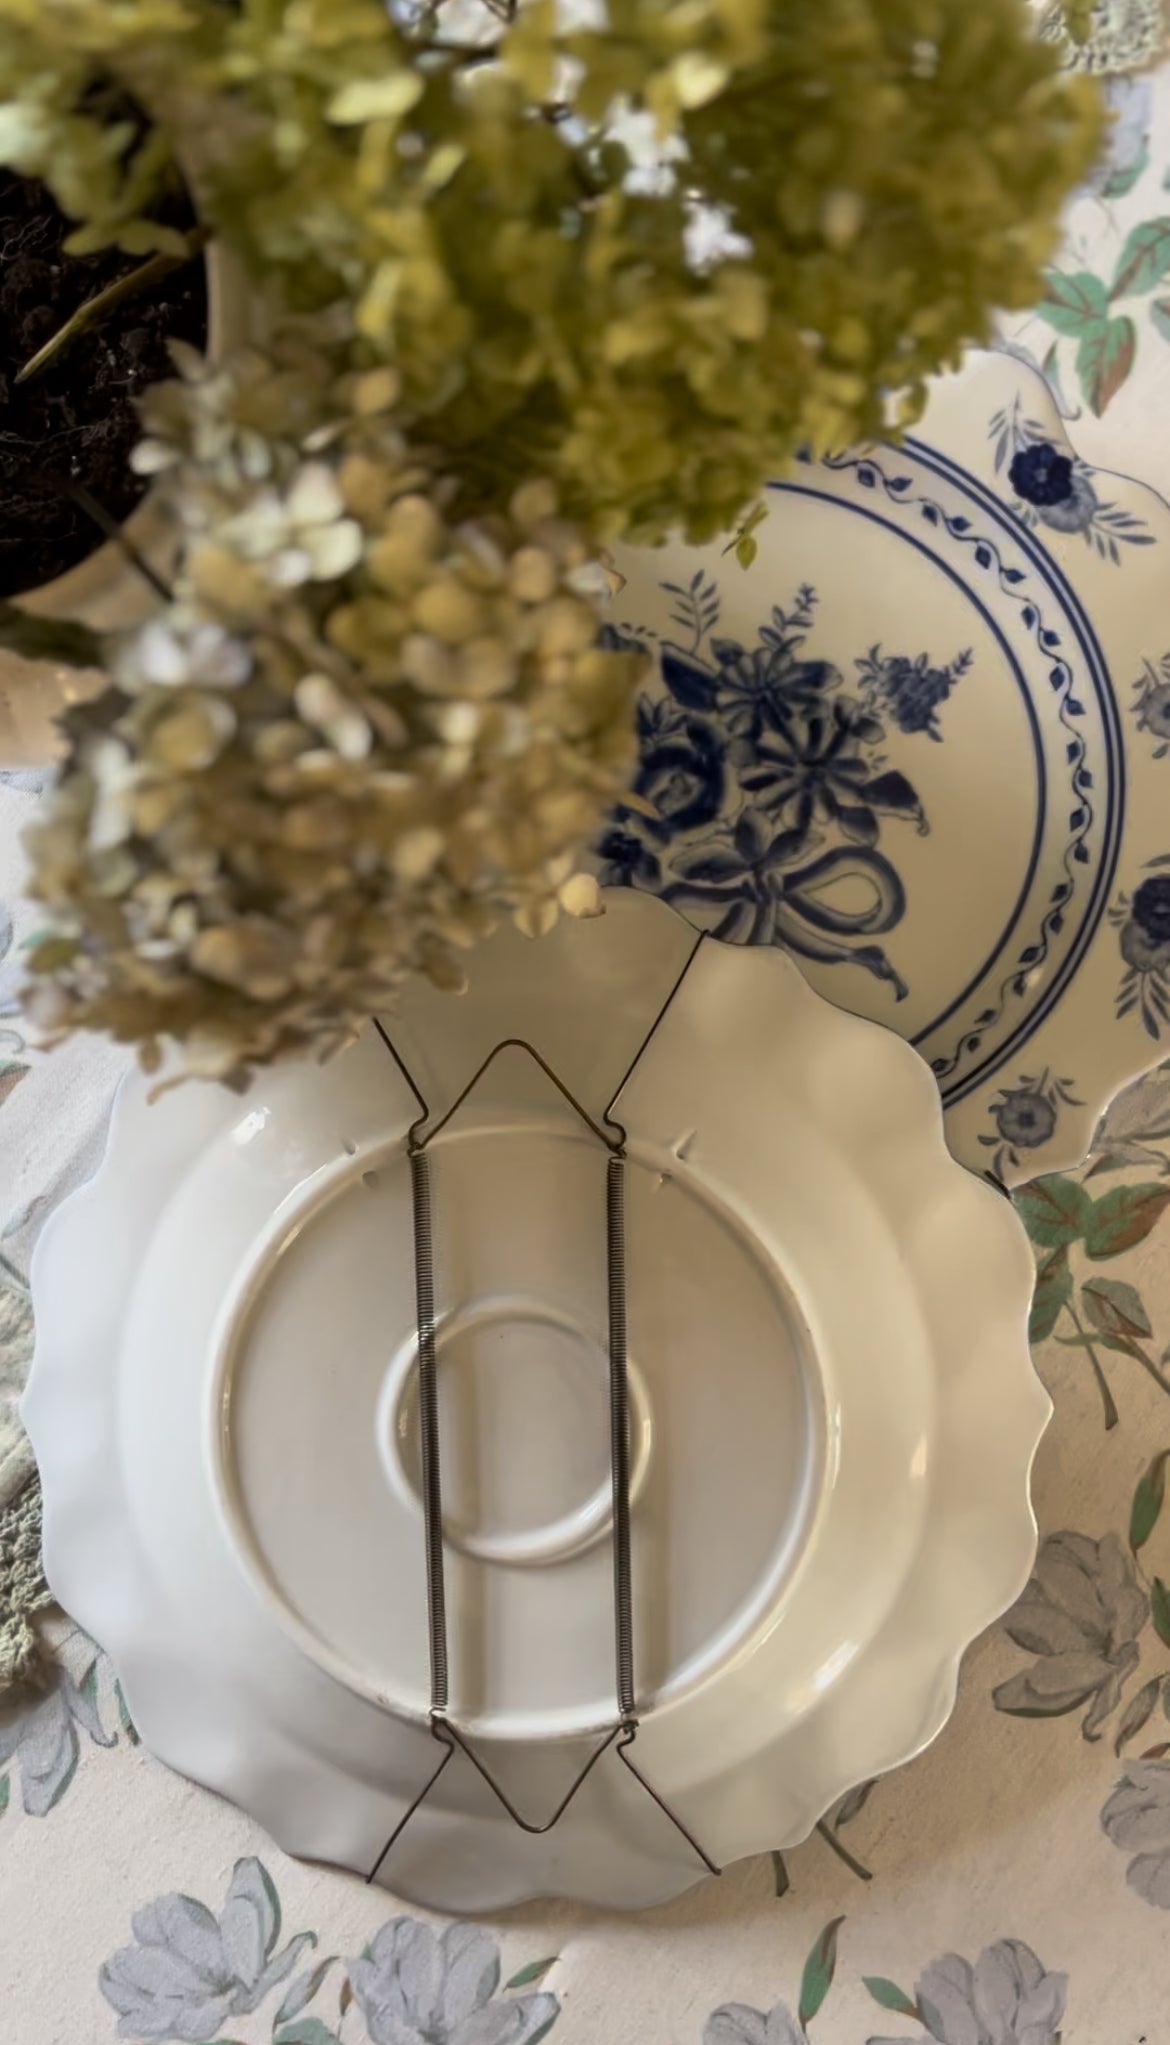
{"x":366,"y":725}
{"x":588,"y":269}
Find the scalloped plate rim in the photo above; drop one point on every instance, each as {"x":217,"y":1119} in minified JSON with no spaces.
{"x":93,"y":1211}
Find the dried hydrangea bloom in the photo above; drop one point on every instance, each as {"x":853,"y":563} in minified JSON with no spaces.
{"x":651,"y":249}
{"x":369,"y":722}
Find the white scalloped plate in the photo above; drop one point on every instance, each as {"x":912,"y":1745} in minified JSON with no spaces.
{"x":923,"y":742}
{"x":834,"y":1410}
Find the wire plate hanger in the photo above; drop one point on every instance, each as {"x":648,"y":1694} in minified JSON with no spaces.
{"x":622,"y":1735}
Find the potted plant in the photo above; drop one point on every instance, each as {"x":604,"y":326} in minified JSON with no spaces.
{"x":85,"y":326}
{"x":86,"y":317}
{"x":528,"y":284}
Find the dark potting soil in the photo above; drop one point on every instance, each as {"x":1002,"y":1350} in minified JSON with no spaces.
{"x":75,"y":421}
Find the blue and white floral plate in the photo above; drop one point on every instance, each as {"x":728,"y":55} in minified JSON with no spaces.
{"x":922,"y":741}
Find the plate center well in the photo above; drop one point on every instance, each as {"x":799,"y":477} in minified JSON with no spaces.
{"x":319,"y":1439}
{"x":514,"y":1373}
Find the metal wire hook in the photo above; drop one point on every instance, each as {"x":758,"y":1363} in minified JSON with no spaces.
{"x":612,"y":1134}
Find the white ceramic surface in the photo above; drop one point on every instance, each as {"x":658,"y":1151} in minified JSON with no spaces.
{"x":33,"y":695}
{"x":834,"y":1417}
{"x":921,"y":741}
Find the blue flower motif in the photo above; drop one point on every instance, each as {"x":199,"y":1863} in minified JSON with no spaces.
{"x":1141,"y":952}
{"x":750,"y":686}
{"x":737,"y":878}
{"x":1143,"y":928}
{"x":1155,"y":712}
{"x":1145,"y":934}
{"x":680,"y":768}
{"x":1057,"y":487}
{"x":1077,"y":512}
{"x":626,"y":859}
{"x":813,"y":771}
{"x":1153,"y":703}
{"x":1151,"y":908}
{"x":911,"y":690}
{"x":1024,"y":1117}
{"x":1041,"y":475}
{"x":766,"y":685}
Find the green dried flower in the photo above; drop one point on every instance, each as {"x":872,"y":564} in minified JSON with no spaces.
{"x":649,"y":258}
{"x":560,"y":284}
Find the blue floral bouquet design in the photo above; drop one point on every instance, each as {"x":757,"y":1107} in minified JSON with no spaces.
{"x":763,"y":785}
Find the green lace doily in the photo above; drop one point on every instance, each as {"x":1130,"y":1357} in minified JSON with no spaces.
{"x":23,"y":1590}
{"x":1124,"y":35}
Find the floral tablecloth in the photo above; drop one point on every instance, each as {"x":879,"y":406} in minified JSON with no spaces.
{"x":1009,"y":1888}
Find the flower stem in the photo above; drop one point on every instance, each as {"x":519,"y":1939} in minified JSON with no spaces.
{"x":830,"y":1838}
{"x":1094,"y":1359}
{"x":1151,"y":1368}
{"x":88,"y":503}
{"x":130,"y":286}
